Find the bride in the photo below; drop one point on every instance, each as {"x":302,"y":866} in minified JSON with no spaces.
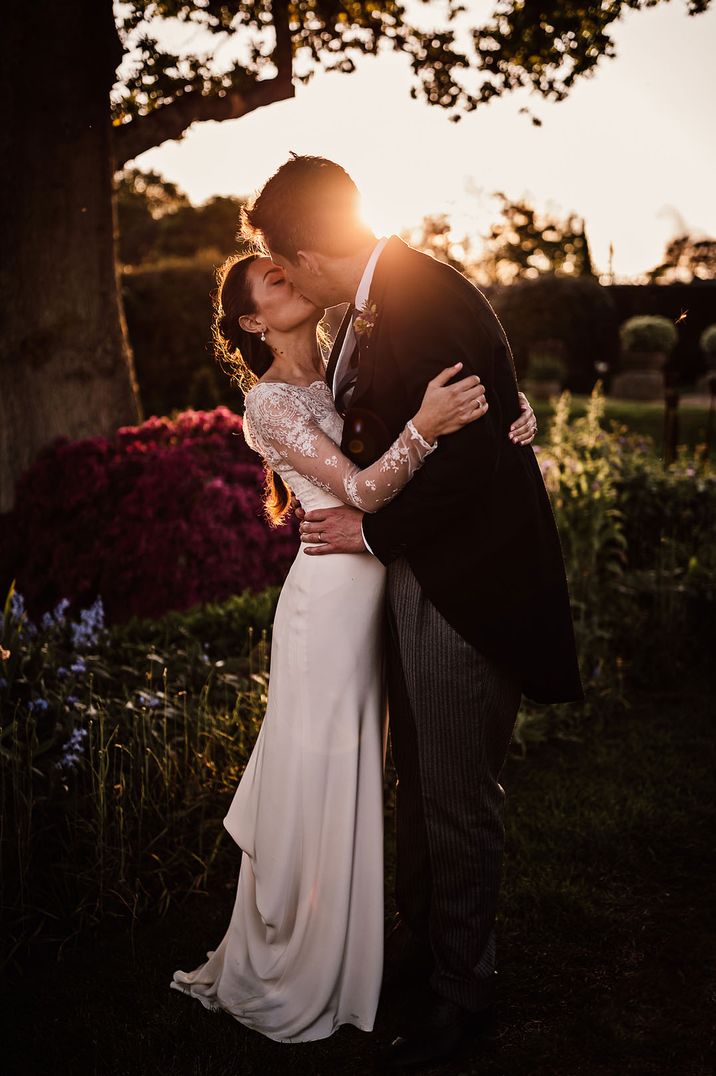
{"x":303,"y":951}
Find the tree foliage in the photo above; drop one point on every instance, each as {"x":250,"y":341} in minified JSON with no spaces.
{"x":434,"y":236}
{"x":686,"y":259}
{"x":577,"y":312}
{"x":525,"y":243}
{"x":246,"y":55}
{"x":158,"y":222}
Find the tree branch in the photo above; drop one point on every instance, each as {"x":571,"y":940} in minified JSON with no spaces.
{"x":283,"y":49}
{"x":171,"y":121}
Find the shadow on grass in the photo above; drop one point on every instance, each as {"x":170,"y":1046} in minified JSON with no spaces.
{"x":605,"y":937}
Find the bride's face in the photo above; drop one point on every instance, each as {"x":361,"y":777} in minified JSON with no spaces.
{"x":278,"y":303}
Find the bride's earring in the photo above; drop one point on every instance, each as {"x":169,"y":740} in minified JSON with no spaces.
{"x":263,"y":337}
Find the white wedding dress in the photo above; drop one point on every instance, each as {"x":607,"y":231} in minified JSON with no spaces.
{"x":303,"y":952}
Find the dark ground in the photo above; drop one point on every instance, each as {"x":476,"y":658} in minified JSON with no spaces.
{"x":606,"y":950}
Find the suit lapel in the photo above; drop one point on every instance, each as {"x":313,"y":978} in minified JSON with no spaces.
{"x":337,"y":346}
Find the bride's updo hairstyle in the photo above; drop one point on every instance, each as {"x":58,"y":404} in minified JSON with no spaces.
{"x":245,"y":357}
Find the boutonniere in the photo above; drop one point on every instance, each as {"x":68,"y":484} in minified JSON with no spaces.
{"x":365,"y":322}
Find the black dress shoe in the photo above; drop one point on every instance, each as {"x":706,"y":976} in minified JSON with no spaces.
{"x":448,"y":1031}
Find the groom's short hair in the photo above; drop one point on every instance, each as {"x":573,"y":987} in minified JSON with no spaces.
{"x":310,"y":203}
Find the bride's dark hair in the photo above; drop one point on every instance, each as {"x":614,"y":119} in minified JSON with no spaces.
{"x":245,"y":357}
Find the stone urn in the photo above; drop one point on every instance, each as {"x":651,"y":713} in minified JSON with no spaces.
{"x":641,"y":376}
{"x":546,"y":370}
{"x":646,"y":343}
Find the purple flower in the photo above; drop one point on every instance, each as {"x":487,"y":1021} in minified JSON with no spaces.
{"x":72,"y":750}
{"x":57,"y":615}
{"x":17,"y":605}
{"x":148,"y":700}
{"x":91,"y":623}
{"x":39,"y":706}
{"x":72,"y":700}
{"x":78,"y":665}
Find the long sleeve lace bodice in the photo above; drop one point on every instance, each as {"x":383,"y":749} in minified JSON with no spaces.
{"x":296,"y":428}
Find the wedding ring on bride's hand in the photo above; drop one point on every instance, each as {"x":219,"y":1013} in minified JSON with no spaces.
{"x":320,"y":536}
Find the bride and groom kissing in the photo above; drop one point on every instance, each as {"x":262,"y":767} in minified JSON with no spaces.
{"x":430,"y":576}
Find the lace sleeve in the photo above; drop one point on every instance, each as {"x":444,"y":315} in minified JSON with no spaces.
{"x":282,"y":427}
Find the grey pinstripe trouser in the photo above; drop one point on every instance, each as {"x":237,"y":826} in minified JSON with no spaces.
{"x":452,"y":714}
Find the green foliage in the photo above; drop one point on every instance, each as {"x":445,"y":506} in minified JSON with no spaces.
{"x":546,"y":366}
{"x":168,"y":310}
{"x":157,"y":222}
{"x":636,"y":417}
{"x":513,"y":48}
{"x":580,"y":467}
{"x":648,"y":333}
{"x":224,"y":627}
{"x":707,"y":341}
{"x":549,"y":53}
{"x":579,"y":312}
{"x":116,"y":763}
{"x":637,"y":543}
{"x":687,"y":259}
{"x":640,"y":561}
{"x":434,"y":237}
{"x":524,"y":244}
{"x":671,"y":584}
{"x":328,"y":34}
{"x":142,"y":200}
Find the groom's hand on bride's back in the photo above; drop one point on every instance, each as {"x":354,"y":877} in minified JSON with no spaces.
{"x":331,"y":530}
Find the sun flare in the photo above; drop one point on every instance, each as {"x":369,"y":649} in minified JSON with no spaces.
{"x":385,"y":215}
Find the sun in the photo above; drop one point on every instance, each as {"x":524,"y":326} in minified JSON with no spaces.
{"x":384,"y":214}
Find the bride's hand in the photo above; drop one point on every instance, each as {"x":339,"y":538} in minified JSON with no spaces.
{"x":447,"y":408}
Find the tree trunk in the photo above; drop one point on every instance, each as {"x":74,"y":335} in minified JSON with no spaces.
{"x":65,"y":364}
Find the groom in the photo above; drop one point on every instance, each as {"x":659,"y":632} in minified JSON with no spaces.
{"x":478,"y":607}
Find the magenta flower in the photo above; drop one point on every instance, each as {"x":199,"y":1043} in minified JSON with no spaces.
{"x":162,"y":516}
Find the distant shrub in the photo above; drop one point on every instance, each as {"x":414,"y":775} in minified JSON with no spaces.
{"x":669,"y":513}
{"x":546,"y":366}
{"x":579,"y":312}
{"x":648,"y":333}
{"x":638,"y":551}
{"x":707,"y":342}
{"x":168,"y":309}
{"x":162,"y":516}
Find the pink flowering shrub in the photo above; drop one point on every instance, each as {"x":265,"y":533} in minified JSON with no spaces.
{"x":161,"y":516}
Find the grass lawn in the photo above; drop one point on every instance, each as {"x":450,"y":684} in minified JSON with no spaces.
{"x":643,"y":418}
{"x":604,"y":927}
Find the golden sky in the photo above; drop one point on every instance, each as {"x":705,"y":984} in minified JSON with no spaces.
{"x":633,"y":149}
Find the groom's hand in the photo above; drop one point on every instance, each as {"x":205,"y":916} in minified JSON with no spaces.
{"x":332,"y":530}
